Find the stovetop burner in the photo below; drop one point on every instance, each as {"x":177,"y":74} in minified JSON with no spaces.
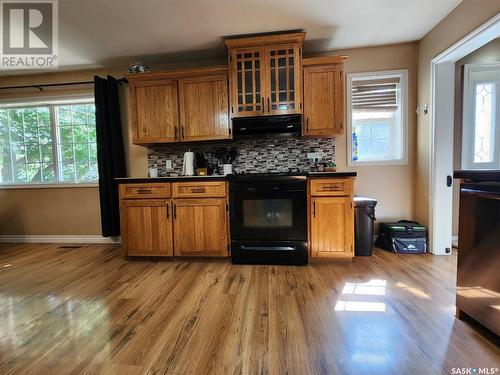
{"x":290,"y":172}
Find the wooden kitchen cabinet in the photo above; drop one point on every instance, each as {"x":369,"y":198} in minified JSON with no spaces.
{"x":183,"y":105}
{"x":154,"y":110}
{"x":323,"y":96}
{"x":265,"y":74}
{"x":187,"y":218}
{"x":146,"y":227}
{"x":331,"y":224}
{"x":200,"y":227}
{"x":204,"y":106}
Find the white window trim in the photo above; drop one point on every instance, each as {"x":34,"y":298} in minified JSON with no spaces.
{"x":404,"y":126}
{"x":49,"y":100}
{"x":467,"y":161}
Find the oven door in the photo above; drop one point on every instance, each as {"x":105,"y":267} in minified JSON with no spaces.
{"x":275,"y":213}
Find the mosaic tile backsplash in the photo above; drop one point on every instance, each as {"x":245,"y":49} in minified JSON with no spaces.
{"x":254,"y":156}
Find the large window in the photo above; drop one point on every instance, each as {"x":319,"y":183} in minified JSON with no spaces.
{"x":377,"y":115}
{"x":48,"y":143}
{"x":480,"y":124}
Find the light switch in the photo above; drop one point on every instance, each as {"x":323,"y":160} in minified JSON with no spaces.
{"x":168,"y":164}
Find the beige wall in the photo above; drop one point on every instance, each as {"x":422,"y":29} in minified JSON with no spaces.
{"x":76,"y":210}
{"x":466,"y":17}
{"x":486,"y":54}
{"x":59,"y":211}
{"x":392,"y":186}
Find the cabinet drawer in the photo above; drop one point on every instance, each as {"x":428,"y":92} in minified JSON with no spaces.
{"x":199,"y":189}
{"x":147,"y":190}
{"x":331,"y":187}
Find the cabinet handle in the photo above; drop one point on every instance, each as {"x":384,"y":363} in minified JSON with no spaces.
{"x":307,"y":123}
{"x":143,"y":191}
{"x":174,"y":211}
{"x":331,"y":188}
{"x":314,"y":209}
{"x":262,"y":108}
{"x":168,"y":211}
{"x":197,"y":190}
{"x":182,"y":132}
{"x":175,"y":132}
{"x":268,"y":104}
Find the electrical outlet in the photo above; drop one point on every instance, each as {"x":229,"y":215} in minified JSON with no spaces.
{"x":168,"y":164}
{"x":313,"y":155}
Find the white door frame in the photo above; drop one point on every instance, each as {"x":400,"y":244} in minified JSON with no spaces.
{"x":441,"y":126}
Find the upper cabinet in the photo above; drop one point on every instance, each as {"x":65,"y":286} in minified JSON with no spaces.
{"x":203,"y":107}
{"x":265,"y":74}
{"x":323,"y":96}
{"x":155,"y":112}
{"x":180,"y":106}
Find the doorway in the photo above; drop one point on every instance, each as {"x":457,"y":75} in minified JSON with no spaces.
{"x":442,"y":110}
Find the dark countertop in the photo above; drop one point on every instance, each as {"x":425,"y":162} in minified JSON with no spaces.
{"x":478,"y":175}
{"x":223,"y":178}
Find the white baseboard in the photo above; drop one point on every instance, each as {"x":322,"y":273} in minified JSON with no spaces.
{"x":52,"y":238}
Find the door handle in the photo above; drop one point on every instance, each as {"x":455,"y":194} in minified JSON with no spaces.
{"x":168,"y":211}
{"x":449,"y":181}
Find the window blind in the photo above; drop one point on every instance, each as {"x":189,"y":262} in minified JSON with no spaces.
{"x":374,"y":95}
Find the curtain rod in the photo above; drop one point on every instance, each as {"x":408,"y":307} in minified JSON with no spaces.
{"x":40,"y":87}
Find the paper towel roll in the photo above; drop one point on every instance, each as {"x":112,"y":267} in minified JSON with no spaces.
{"x":188,"y":165}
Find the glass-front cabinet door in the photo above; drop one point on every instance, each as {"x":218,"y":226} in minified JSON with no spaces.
{"x":248,"y":82}
{"x":283,"y":79}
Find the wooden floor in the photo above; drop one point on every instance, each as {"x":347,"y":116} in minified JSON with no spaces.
{"x":87,"y":310}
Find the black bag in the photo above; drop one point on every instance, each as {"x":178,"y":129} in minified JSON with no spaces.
{"x":406,"y":237}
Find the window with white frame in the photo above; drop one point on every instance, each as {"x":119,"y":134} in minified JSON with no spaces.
{"x":377,"y":117}
{"x":47,"y":143}
{"x":481,"y":117}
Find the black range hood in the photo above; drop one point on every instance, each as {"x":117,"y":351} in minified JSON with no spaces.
{"x":280,"y":126}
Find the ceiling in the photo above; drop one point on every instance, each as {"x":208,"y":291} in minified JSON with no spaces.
{"x":94,"y":33}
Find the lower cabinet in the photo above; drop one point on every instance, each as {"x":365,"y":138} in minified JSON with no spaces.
{"x":331,"y":226}
{"x":180,"y":218}
{"x":146,"y":227}
{"x":200,"y":227}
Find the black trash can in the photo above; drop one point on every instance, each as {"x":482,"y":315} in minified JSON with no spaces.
{"x":364,"y":216}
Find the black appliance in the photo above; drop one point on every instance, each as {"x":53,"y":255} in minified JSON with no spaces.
{"x":268,"y":218}
{"x":281,"y":126}
{"x":478,"y":277}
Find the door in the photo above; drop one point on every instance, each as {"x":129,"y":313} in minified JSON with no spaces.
{"x":203,"y":104}
{"x":154,"y":111}
{"x":332,"y":227}
{"x":283,"y":79}
{"x":323,"y":100}
{"x":146,"y":227}
{"x":247,"y":79}
{"x":200,"y":227}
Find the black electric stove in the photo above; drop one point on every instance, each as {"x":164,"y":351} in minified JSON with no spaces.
{"x":268,"y":218}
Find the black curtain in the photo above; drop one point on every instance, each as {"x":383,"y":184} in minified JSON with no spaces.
{"x":110,"y":153}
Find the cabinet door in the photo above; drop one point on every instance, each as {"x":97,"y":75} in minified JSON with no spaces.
{"x":203,"y":104}
{"x":146,"y":227}
{"x":154,"y":106}
{"x":323,"y":100}
{"x":200,"y":227}
{"x":247,"y":82}
{"x":283,"y":79}
{"x":332,"y":227}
